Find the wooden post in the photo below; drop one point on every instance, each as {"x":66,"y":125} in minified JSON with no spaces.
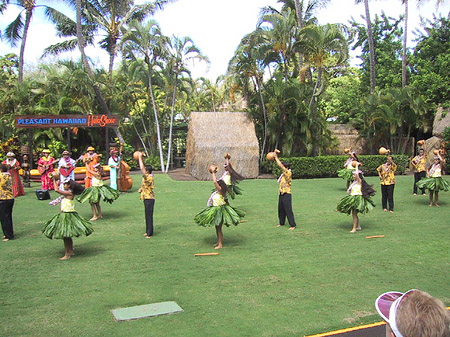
{"x":30,"y":145}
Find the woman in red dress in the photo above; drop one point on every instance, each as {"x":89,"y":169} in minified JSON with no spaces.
{"x":45,"y":166}
{"x":13,"y":166}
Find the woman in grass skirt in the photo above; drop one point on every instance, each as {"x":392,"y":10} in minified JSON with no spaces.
{"x":68,"y":223}
{"x":358,"y":199}
{"x":347,"y":172}
{"x":434,"y":181}
{"x":219,"y":212}
{"x":231,"y":178}
{"x":97,"y":192}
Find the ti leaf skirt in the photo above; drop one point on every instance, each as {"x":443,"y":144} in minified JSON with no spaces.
{"x":217,"y":215}
{"x":357,"y":202}
{"x":95,"y":193}
{"x":67,"y":225}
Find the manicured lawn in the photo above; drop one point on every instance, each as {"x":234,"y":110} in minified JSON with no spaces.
{"x":267,"y":281}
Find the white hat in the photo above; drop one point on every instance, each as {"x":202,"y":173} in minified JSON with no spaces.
{"x":387,"y":306}
{"x":10,"y":154}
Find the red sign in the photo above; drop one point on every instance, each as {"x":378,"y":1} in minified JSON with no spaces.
{"x":66,"y":121}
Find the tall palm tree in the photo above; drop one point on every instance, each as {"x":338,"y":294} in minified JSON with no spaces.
{"x":405,"y":39}
{"x":81,"y":45}
{"x":180,"y":51}
{"x":147,"y":40}
{"x":371,"y":44}
{"x":18,"y":28}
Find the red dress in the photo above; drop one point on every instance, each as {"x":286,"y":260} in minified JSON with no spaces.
{"x":45,"y":167}
{"x":13,"y":170}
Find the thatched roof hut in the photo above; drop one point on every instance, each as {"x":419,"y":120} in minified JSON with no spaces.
{"x":212,"y":134}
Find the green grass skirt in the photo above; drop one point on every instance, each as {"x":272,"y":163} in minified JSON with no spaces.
{"x":95,"y":193}
{"x":216,"y":215}
{"x":434,"y":184}
{"x":346,"y":174}
{"x":358,"y":202}
{"x":67,"y":225}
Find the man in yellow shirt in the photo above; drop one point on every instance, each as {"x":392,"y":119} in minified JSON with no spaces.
{"x":419,"y":162}
{"x":285,"y":196}
{"x":386,"y":172}
{"x":147,"y":194}
{"x":6,"y":203}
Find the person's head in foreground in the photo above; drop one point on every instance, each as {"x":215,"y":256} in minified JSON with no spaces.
{"x":413,"y":314}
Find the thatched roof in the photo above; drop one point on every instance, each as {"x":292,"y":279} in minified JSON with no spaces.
{"x":212,"y":134}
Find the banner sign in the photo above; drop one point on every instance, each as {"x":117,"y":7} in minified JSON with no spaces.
{"x":66,"y":121}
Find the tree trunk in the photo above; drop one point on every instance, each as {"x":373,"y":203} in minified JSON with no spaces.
{"x":371,"y":47}
{"x":169,"y":150}
{"x":155,"y":111}
{"x":28,"y":15}
{"x":98,"y":94}
{"x":264,"y":117}
{"x":405,"y":37}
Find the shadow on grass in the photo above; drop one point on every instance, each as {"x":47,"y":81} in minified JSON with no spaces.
{"x":229,"y":239}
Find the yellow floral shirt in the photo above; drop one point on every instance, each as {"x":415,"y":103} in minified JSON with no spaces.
{"x":419,"y":163}
{"x":6,"y":190}
{"x":147,"y":187}
{"x":387,"y":174}
{"x":285,"y":181}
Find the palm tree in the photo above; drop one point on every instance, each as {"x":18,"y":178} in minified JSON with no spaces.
{"x":371,"y":44}
{"x":148,"y":41}
{"x":405,"y":38}
{"x":81,"y":45}
{"x":180,"y":51}
{"x":18,"y":28}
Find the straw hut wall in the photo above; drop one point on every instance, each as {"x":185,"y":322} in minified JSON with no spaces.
{"x":212,"y":134}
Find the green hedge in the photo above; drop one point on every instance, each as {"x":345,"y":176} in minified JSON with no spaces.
{"x":327,"y":166}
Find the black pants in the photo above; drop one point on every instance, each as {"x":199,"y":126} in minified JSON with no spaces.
{"x":6,"y":208}
{"x":417,"y":177}
{"x":285,"y":209}
{"x":149,"y":204}
{"x":387,"y":196}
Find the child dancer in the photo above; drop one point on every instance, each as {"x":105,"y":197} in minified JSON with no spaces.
{"x":219,"y":212}
{"x":231,"y":178}
{"x":434,"y":183}
{"x":97,"y":192}
{"x":358,"y":199}
{"x":68,"y":223}
{"x":347,"y":172}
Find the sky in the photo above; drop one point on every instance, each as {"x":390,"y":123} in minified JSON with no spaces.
{"x":216,"y":27}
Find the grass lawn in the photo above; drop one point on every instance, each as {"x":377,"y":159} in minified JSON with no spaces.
{"x":267,"y":281}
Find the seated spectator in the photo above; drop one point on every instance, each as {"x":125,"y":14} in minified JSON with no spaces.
{"x":413,"y":314}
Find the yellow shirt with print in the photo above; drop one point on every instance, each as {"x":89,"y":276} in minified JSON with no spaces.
{"x":147,"y":187}
{"x":285,"y":182}
{"x":420,"y":165}
{"x":387,"y":177}
{"x":6,"y":190}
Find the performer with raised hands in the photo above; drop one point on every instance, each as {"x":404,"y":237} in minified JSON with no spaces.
{"x":13,"y":166}
{"x":231,"y":178}
{"x":218,"y":211}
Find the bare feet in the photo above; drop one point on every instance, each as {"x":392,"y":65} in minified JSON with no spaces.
{"x":5,"y":240}
{"x":148,"y":237}
{"x":93,"y":218}
{"x":385,"y":210}
{"x":291,"y":228}
{"x":391,"y":211}
{"x":414,"y":193}
{"x":145,"y":234}
{"x":353,"y":231}
{"x":218,"y":247}
{"x":437,"y":205}
{"x":431,"y":204}
{"x":279,"y":225}
{"x":65,"y":257}
{"x":358,"y":228}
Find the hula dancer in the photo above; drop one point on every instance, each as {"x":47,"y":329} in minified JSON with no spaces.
{"x":386,"y":172}
{"x":434,"y":183}
{"x":147,"y":194}
{"x":358,"y":199}
{"x":419,"y":162}
{"x":347,"y":172}
{"x":231,"y":178}
{"x":68,"y":223}
{"x":13,"y":166}
{"x":218,"y":211}
{"x":97,"y":192}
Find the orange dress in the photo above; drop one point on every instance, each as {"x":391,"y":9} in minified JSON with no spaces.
{"x":89,"y":160}
{"x":13,"y":170}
